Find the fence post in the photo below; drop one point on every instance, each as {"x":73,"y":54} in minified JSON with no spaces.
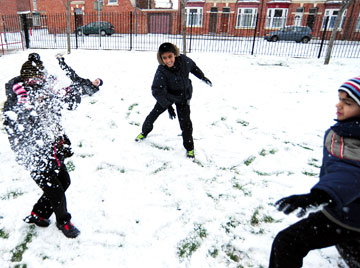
{"x":323,"y":37}
{"x":130,"y":30}
{"x":256,"y":25}
{"x":76,"y":32}
{"x":191,"y":27}
{"x":26,"y":30}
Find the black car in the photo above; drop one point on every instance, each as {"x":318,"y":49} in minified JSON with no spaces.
{"x":290,"y":33}
{"x":102,"y":27}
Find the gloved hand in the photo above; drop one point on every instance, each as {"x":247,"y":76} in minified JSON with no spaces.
{"x":60,"y":57}
{"x":293,"y":202}
{"x":207,"y":81}
{"x":172,"y":114}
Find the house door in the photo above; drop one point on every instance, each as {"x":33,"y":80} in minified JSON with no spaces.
{"x":159,"y":23}
{"x":78,"y":17}
{"x":224,"y":27}
{"x":213,"y":21}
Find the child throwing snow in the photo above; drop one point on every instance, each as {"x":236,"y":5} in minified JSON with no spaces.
{"x":338,"y":190}
{"x":172,"y":85}
{"x":32,"y":119}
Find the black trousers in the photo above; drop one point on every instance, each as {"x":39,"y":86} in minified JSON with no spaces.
{"x":292,"y":244}
{"x":54,"y":184}
{"x":183,"y":113}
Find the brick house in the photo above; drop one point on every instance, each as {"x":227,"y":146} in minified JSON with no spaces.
{"x":237,"y":17}
{"x":227,"y":17}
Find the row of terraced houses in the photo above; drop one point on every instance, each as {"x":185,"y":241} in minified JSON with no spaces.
{"x":227,"y":17}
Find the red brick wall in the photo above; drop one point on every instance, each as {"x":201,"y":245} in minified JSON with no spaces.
{"x":7,"y":7}
{"x":22,"y":5}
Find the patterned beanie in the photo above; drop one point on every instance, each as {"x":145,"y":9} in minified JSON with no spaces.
{"x":352,"y":88}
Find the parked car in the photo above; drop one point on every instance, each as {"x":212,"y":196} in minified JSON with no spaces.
{"x":106,"y":28}
{"x":290,"y":33}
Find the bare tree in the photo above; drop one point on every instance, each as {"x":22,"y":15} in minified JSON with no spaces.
{"x":67,"y":7}
{"x":183,"y":14}
{"x":344,"y":6}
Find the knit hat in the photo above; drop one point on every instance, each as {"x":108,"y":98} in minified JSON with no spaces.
{"x":31,"y":69}
{"x":352,"y":88}
{"x":167,"y":47}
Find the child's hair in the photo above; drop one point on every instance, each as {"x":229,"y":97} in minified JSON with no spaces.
{"x":352,"y":89}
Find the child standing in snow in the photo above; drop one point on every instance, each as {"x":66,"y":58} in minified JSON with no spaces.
{"x":172,"y":85}
{"x":338,"y":190}
{"x":33,"y":122}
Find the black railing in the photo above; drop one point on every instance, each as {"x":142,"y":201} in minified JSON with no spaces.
{"x":214,"y":32}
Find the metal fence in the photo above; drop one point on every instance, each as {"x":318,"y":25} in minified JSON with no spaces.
{"x":208,"y":33}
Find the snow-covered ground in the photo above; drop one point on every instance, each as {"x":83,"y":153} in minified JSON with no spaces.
{"x":258,"y":137}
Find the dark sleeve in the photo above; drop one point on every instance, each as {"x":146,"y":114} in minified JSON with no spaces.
{"x":159,"y":89}
{"x":68,"y":70}
{"x":195,"y":70}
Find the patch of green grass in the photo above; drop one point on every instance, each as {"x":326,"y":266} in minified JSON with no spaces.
{"x":264,"y":152}
{"x":163,"y":167}
{"x":12,"y":195}
{"x":70,"y":165}
{"x":242,"y":122}
{"x":242,"y":188}
{"x":213,"y":252}
{"x":249,"y":160}
{"x":131,"y":107}
{"x":223,"y":118}
{"x":257,"y":218}
{"x":189,"y":245}
{"x":19,"y":250}
{"x":4,"y":234}
{"x":160,"y":147}
{"x":134,"y":123}
{"x":305,"y":147}
{"x":314,"y":163}
{"x":310,"y":174}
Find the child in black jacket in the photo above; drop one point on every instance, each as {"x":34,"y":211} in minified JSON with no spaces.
{"x":338,"y":189}
{"x":172,"y":85}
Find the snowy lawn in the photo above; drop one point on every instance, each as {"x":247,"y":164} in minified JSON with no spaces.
{"x":258,"y":137}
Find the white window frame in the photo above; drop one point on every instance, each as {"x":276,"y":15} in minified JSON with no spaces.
{"x":298,"y":16}
{"x":34,"y":5}
{"x":273,"y":21}
{"x":113,"y":2}
{"x":330,"y":13}
{"x":36,"y":18}
{"x":246,"y":20}
{"x":197,"y":16}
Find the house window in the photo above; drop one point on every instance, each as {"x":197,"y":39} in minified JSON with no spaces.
{"x":246,"y":17}
{"x":332,"y":14}
{"x":194,"y":16}
{"x":298,"y":16}
{"x":276,"y":17}
{"x":112,"y":2}
{"x":36,"y":19}
{"x":34,"y":5}
{"x":358,"y":24}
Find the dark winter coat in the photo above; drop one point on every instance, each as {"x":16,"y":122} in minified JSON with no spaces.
{"x":34,"y":126}
{"x":340,"y":173}
{"x":172,"y":85}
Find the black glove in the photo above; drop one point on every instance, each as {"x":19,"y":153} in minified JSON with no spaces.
{"x":63,"y":145}
{"x":207,"y":81}
{"x":293,"y":202}
{"x":172,"y":113}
